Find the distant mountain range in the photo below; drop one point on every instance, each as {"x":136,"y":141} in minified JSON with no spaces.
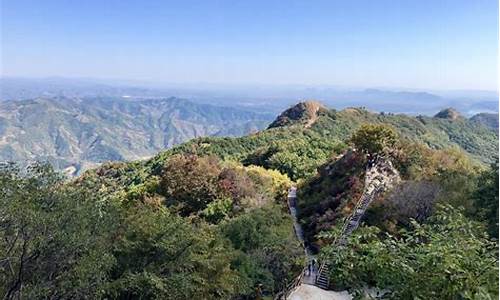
{"x":75,"y":134}
{"x":78,"y":123}
{"x":270,"y":98}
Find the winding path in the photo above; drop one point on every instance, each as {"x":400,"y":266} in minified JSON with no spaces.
{"x":305,"y":287}
{"x":310,"y":275}
{"x":380,"y":175}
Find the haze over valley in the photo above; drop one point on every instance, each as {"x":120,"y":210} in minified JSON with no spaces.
{"x":260,"y":97}
{"x":75,"y":127}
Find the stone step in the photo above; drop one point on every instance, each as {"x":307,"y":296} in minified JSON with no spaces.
{"x":323,"y":286}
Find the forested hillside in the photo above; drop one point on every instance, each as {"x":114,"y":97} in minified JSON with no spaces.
{"x":489,"y":120}
{"x":297,"y":149}
{"x":208,"y":219}
{"x":433,"y":235}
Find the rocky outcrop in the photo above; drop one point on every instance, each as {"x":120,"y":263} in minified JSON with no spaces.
{"x":380,"y":176}
{"x":305,"y":113}
{"x":449,"y":114}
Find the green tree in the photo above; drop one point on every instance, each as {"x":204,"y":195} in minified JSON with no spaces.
{"x":449,"y":257}
{"x":164,"y":256}
{"x":374,"y":138}
{"x":54,"y":238}
{"x":269,"y":253}
{"x":486,"y":199}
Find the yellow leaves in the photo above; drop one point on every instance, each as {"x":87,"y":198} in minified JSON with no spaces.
{"x":280,"y":183}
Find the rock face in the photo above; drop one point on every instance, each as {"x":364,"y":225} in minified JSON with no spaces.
{"x":448,"y":113}
{"x":380,"y":176}
{"x":304,"y":113}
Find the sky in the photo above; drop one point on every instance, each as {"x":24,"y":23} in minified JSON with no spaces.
{"x":422,"y":44}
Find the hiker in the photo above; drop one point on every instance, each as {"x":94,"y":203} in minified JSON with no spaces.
{"x":258,"y":291}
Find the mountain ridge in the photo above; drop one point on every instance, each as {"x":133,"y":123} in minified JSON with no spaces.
{"x":298,"y":151}
{"x":81,"y":132}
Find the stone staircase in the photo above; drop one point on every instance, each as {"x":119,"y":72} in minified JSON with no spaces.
{"x":352,"y":222}
{"x":323,"y":278}
{"x":380,"y":176}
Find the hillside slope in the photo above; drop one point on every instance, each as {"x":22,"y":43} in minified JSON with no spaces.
{"x":298,"y":150}
{"x":77,"y":133}
{"x":489,"y":120}
{"x":435,"y":132}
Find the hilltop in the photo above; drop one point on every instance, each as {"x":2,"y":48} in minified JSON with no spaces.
{"x":448,"y":114}
{"x":305,"y":113}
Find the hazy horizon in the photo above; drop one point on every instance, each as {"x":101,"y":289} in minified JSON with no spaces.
{"x":258,"y":98}
{"x":131,"y":82}
{"x":424,"y":45}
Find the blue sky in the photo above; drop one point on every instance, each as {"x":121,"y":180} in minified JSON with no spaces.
{"x":423,"y":44}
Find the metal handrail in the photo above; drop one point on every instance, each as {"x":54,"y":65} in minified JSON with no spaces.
{"x":291,"y":287}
